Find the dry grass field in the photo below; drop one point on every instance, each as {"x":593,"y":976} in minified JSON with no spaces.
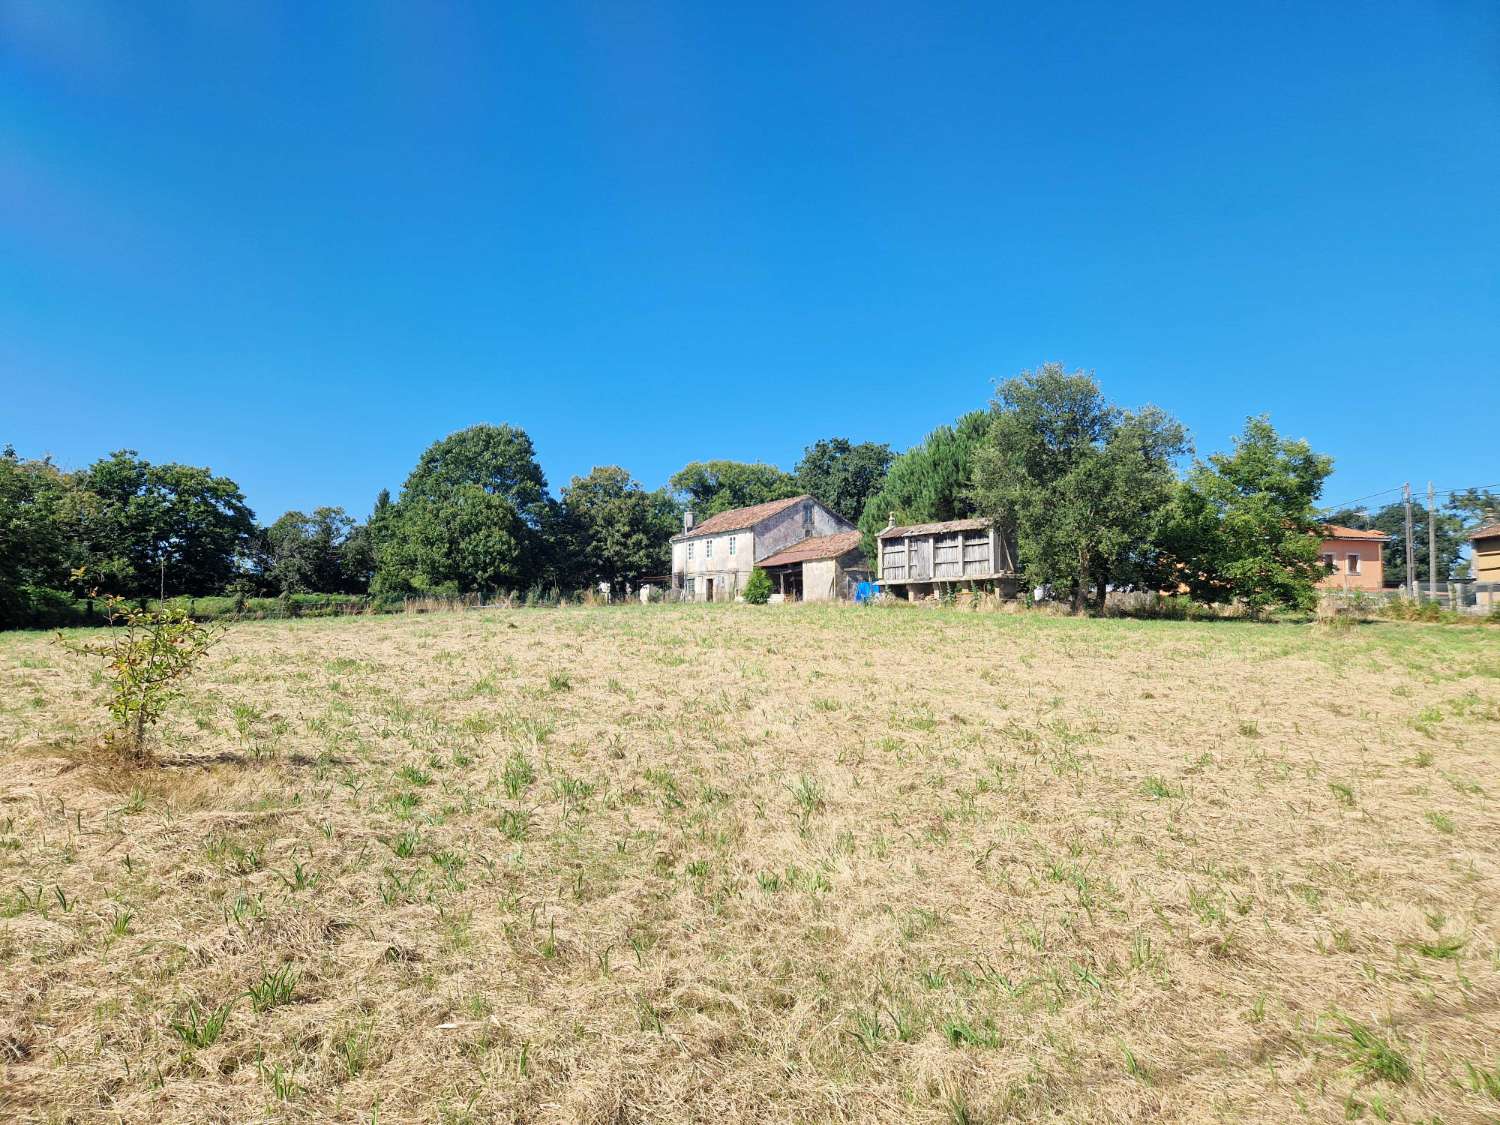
{"x":671,"y":864}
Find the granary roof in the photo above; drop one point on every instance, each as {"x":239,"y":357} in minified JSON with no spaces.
{"x":1335,"y":531}
{"x":1485,"y":531}
{"x":818,"y":547}
{"x":737,"y":519}
{"x":945,"y":528}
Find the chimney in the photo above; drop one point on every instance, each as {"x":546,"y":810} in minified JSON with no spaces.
{"x":687,"y":521}
{"x":890,"y":521}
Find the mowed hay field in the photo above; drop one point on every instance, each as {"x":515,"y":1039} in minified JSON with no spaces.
{"x":672,"y":864}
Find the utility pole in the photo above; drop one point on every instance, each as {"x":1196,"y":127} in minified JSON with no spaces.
{"x":1431,"y":543}
{"x":1411,"y":571}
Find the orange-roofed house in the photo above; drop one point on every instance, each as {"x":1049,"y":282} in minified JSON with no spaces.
{"x":1353,"y":558}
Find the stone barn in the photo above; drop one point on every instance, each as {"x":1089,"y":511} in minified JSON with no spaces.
{"x":824,"y":568}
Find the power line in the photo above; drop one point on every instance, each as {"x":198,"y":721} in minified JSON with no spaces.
{"x":1468,"y":488}
{"x":1398,"y":488}
{"x":1357,"y":499}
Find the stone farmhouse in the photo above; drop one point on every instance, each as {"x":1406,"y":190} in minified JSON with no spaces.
{"x":807,"y":548}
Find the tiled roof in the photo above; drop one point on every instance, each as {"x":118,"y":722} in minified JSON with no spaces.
{"x":737,"y":519}
{"x":1485,"y":531}
{"x":936,"y":528}
{"x":818,"y":547}
{"x":1335,"y":531}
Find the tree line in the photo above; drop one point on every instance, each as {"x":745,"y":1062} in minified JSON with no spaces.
{"x":474,"y":515}
{"x":1097,"y":497}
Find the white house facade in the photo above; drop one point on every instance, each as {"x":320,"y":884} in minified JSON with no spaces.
{"x":712,"y":561}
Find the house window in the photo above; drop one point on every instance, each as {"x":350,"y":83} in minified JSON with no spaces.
{"x":689,"y":586}
{"x":690,"y":550}
{"x":1353,"y":564}
{"x":708,"y":549}
{"x":1327,"y":561}
{"x":807,"y":517}
{"x":731,"y":544}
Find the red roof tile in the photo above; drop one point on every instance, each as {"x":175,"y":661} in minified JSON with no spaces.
{"x":1485,"y":531}
{"x":737,"y":519}
{"x":1336,"y":531}
{"x":818,"y":547}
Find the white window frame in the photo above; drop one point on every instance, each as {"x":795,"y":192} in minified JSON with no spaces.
{"x":731,"y":545}
{"x":1352,"y":564}
{"x":708,"y":548}
{"x":690,"y":550}
{"x":1330,"y":561}
{"x":690,"y":587}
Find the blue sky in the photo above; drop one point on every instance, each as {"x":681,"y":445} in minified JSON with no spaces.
{"x":298,"y":243}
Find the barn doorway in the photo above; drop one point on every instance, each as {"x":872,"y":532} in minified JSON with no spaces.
{"x":708,"y":589}
{"x":789,"y":582}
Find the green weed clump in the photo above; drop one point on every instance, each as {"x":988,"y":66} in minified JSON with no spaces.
{"x":1370,"y":1054}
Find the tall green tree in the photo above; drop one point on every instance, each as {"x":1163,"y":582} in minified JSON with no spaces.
{"x":315,"y":552}
{"x":1245,"y":525}
{"x":1474,"y":506}
{"x":711,"y":487}
{"x":619,"y":532}
{"x":842,"y":474}
{"x":147,"y":525}
{"x":1082,"y":483}
{"x":40,"y":509}
{"x":931,"y":481}
{"x":472,"y":516}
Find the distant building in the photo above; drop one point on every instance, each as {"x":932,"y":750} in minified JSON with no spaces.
{"x":712,"y":561}
{"x":926,"y":558}
{"x":1485,"y":542}
{"x":1352,"y":558}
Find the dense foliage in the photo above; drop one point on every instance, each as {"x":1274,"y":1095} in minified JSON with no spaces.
{"x":758,"y":588}
{"x":616,"y":531}
{"x":711,"y":487}
{"x":39,"y":507}
{"x":147,"y":526}
{"x":322,"y":552}
{"x":931,"y":481}
{"x":844,"y":475}
{"x":1245,"y":526}
{"x":1082,"y":484}
{"x":473,"y":516}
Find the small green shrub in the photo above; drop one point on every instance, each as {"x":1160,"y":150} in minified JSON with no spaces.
{"x":147,"y":657}
{"x":758,"y":589}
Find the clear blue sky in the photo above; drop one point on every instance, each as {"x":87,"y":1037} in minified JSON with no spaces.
{"x":299,"y":242}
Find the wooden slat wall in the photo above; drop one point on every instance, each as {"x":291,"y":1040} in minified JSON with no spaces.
{"x":948,"y":557}
{"x":919,"y":563}
{"x":943,"y":557}
{"x":893,"y":559}
{"x":977,"y":555}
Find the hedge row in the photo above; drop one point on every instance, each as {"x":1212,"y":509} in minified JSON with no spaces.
{"x":41,"y":608}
